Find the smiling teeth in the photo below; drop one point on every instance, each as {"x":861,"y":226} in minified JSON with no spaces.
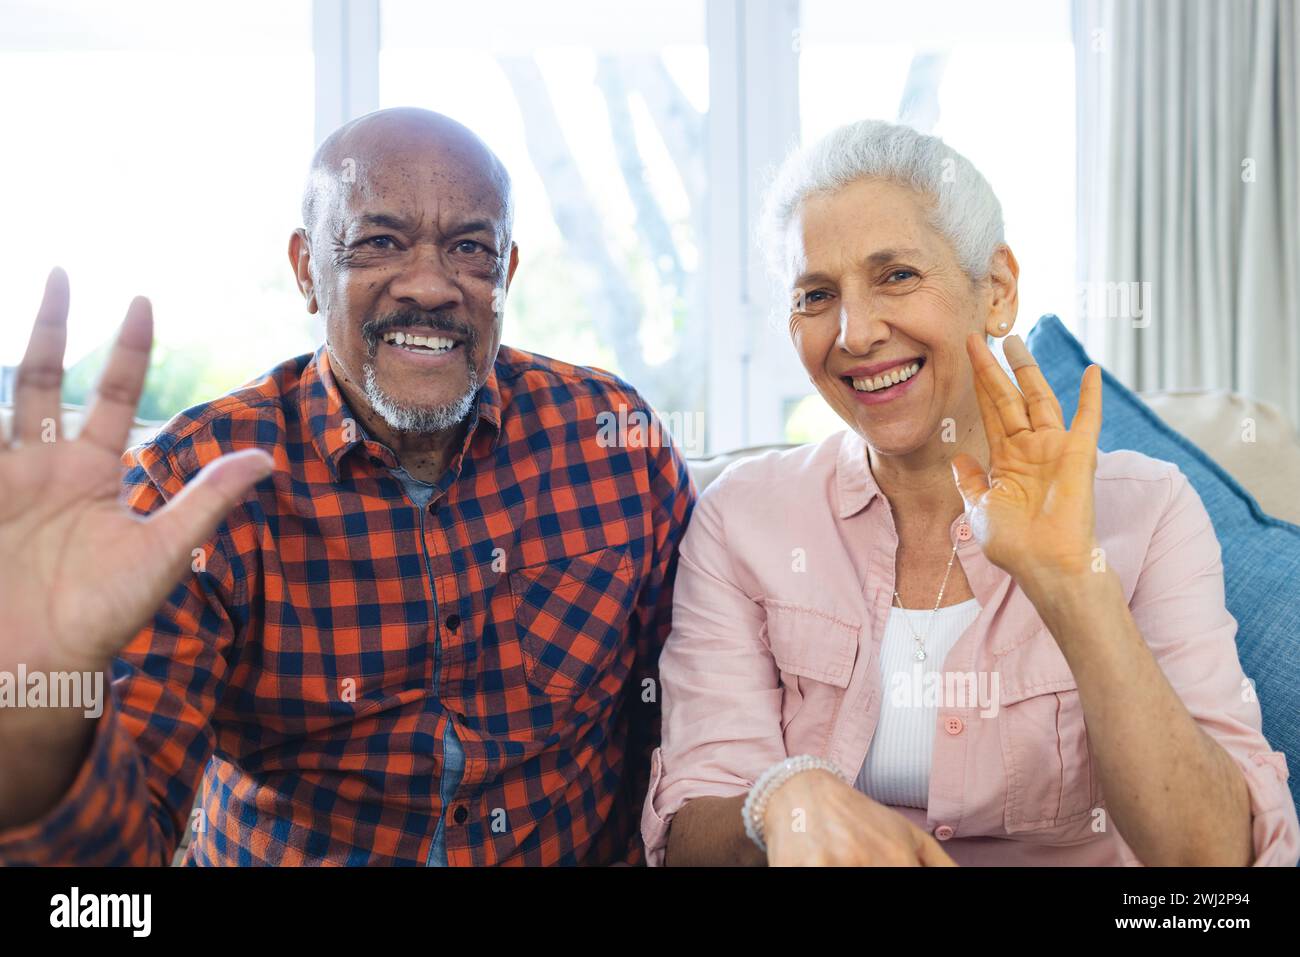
{"x":886,"y":379}
{"x":417,"y":343}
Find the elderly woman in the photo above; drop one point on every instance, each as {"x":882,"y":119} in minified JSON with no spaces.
{"x":955,"y":632}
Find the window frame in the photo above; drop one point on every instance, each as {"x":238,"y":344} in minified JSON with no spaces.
{"x":753,"y":117}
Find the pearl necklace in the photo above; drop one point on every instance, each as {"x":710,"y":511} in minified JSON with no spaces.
{"x":919,"y":655}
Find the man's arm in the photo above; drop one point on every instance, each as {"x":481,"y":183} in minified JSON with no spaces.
{"x":127,"y":778}
{"x":708,"y":832}
{"x":672,"y":497}
{"x":79,"y":577}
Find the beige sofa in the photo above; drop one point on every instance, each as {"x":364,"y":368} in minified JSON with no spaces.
{"x":1252,"y":441}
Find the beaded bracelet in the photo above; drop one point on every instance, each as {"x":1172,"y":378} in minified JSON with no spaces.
{"x":755,"y":807}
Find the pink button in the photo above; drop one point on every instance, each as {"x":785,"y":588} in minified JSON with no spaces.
{"x":953,"y":725}
{"x":963,"y":532}
{"x":943,"y":832}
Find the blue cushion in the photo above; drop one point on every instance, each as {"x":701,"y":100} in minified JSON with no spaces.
{"x":1261,"y":554}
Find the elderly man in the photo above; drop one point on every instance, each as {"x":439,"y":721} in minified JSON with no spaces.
{"x":427,"y":629}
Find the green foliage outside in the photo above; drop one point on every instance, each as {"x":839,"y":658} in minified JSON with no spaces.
{"x":178,"y":379}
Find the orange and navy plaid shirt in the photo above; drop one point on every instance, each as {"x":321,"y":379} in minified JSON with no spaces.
{"x":334,"y":636}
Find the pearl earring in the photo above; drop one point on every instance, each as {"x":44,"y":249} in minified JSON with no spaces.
{"x":1002,"y":326}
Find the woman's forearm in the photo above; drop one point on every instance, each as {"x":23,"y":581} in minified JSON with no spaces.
{"x":708,"y":832}
{"x":1174,"y":794}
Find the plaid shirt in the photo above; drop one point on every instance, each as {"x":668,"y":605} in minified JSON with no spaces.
{"x":305,"y":677}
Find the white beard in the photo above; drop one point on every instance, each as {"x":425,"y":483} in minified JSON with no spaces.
{"x":402,"y":418}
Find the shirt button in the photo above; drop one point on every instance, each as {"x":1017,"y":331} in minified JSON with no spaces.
{"x":943,"y":832}
{"x":460,"y":814}
{"x":954,"y":725}
{"x":453,"y":622}
{"x":963,"y":532}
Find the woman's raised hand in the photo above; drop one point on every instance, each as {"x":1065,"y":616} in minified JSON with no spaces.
{"x":1032,"y":512}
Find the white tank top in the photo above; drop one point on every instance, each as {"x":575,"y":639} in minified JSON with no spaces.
{"x":897,"y":768}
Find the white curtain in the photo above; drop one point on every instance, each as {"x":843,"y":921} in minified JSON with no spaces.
{"x":1189,"y":193}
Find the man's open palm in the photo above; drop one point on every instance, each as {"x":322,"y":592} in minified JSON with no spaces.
{"x":80,"y":573}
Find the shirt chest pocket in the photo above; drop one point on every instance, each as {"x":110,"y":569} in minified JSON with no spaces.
{"x":814,"y":654}
{"x":1052,"y":784}
{"x":571,"y":618}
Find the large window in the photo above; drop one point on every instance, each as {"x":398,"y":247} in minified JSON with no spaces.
{"x":159,"y":148}
{"x":999,"y":88}
{"x":601,"y":122}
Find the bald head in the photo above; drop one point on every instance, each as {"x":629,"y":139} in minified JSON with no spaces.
{"x":402,"y":143}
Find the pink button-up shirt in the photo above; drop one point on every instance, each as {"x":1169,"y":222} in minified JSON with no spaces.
{"x":784,"y":586}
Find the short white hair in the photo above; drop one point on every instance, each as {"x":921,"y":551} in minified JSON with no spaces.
{"x":965,"y":210}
